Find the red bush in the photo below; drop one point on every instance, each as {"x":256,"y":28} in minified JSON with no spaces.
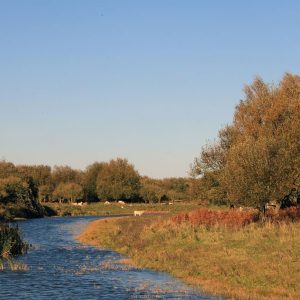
{"x":180,"y":218}
{"x":233,"y":218}
{"x":290,"y":214}
{"x":208,"y":218}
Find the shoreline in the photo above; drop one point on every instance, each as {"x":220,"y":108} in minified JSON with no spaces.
{"x":225,"y":269}
{"x":107,"y":226}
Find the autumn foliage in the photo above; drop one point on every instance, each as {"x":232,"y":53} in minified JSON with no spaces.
{"x":290,"y":214}
{"x":233,"y":218}
{"x":208,"y":218}
{"x":256,"y":159}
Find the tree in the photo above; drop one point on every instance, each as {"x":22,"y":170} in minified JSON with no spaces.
{"x":265,"y":154}
{"x":257,"y":158}
{"x":68,"y":192}
{"x":90,"y":181}
{"x":118,"y":180}
{"x":7,"y":169}
{"x":149,"y":194}
{"x":45,"y":193}
{"x":41,"y":175}
{"x":15,"y":190}
{"x":64,"y":174}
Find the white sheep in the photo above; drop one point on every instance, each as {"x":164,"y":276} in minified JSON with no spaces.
{"x":138,"y":213}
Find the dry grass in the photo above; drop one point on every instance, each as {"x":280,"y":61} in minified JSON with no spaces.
{"x":209,"y":218}
{"x":256,"y":261}
{"x":12,"y":265}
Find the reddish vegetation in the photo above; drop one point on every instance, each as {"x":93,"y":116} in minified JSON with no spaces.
{"x":208,"y":218}
{"x":233,"y":218}
{"x":155,"y":212}
{"x":285,"y":215}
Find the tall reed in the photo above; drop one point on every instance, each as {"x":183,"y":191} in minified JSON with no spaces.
{"x":11,"y":243}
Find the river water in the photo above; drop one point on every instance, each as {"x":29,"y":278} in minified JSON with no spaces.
{"x":59,"y":267}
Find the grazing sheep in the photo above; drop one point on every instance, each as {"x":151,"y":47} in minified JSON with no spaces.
{"x":106,"y":203}
{"x":121,"y":202}
{"x":138,"y":213}
{"x":79,"y":203}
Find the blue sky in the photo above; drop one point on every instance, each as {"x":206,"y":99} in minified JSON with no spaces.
{"x":152,"y":81}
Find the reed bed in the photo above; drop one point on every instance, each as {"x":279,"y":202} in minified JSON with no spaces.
{"x":11,"y":243}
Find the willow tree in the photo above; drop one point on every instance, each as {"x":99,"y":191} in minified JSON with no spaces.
{"x":263,"y":163}
{"x":260,"y":159}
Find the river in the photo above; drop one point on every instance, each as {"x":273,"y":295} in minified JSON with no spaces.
{"x":59,"y":267}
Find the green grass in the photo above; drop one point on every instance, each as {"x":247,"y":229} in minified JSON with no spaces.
{"x":100,"y":209}
{"x":258,"y":261}
{"x":13,"y":211}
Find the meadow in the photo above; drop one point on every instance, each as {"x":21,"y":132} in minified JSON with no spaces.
{"x":222,"y":252}
{"x":114,"y":208}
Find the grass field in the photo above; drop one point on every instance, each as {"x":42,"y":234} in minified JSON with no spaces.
{"x":14,"y":211}
{"x":114,"y":208}
{"x":254,"y":261}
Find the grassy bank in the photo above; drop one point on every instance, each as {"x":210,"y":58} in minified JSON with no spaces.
{"x":17,"y":211}
{"x":114,"y":208}
{"x":249,"y":262}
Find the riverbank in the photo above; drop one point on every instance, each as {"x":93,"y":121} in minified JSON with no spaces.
{"x":18,"y":212}
{"x":255,"y":261}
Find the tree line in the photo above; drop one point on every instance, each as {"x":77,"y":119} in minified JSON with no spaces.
{"x":254,"y":161}
{"x":100,"y":181}
{"x":256,"y":158}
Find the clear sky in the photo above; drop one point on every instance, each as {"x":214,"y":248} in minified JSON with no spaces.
{"x":151,"y":81}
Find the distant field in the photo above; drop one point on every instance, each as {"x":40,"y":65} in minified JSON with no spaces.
{"x":14,"y":211}
{"x":100,"y":209}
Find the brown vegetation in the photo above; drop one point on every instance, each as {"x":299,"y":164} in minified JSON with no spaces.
{"x":256,"y":158}
{"x":290,"y":214}
{"x":10,"y":241}
{"x":254,"y":261}
{"x":208,"y":218}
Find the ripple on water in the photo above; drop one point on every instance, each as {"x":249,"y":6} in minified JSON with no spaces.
{"x":62,"y":268}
